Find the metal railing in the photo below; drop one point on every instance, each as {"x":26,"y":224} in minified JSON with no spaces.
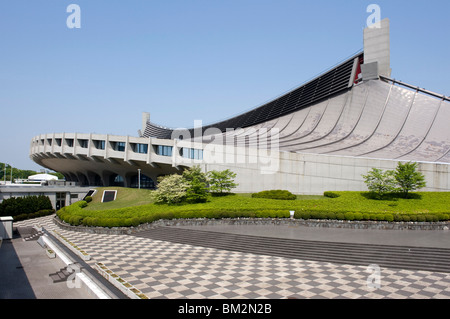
{"x":416,"y":88}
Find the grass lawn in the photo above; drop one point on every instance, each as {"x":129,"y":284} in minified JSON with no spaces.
{"x":134,"y":206}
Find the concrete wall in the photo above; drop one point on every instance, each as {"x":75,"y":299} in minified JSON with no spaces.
{"x":315,"y":173}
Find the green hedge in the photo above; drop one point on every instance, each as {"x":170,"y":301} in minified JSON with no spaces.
{"x":40,"y":213}
{"x":15,"y":206}
{"x":373,"y":217}
{"x":357,"y":206}
{"x":74,"y":216}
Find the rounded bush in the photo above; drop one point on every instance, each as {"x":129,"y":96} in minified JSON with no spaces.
{"x":331,"y":215}
{"x":406,"y":218}
{"x":305,"y":215}
{"x":331,"y":194}
{"x":349,"y":216}
{"x":421,"y":218}
{"x":358,"y":216}
{"x":275,"y":194}
{"x":340,"y":216}
{"x":389,"y":217}
{"x":413,"y":217}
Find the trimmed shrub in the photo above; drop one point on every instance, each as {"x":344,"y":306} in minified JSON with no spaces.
{"x":340,"y":216}
{"x":82,"y":204}
{"x":331,"y":194}
{"x":349,"y":216}
{"x":389,"y":217}
{"x":421,"y":218}
{"x":358,"y":216}
{"x":406,"y":218}
{"x":305,"y":215}
{"x":88,"y":199}
{"x":275,"y":194}
{"x":331,"y":215}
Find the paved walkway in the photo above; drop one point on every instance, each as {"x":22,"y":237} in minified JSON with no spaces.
{"x":25,"y":270}
{"x":166,"y":270}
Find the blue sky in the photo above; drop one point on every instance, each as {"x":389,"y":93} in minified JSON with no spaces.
{"x":186,"y":60}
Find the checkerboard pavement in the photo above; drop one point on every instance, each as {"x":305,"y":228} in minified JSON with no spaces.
{"x":175,"y":271}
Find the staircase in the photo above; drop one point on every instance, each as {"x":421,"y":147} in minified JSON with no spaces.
{"x":402,"y":257}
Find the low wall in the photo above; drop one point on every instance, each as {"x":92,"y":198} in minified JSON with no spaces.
{"x":378,"y":225}
{"x":313,"y":174}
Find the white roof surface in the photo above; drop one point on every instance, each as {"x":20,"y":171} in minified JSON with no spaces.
{"x":42,"y":177}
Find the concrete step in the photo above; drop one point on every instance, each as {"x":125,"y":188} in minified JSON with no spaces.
{"x":416,"y":258}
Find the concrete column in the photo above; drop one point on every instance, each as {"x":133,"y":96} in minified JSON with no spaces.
{"x":6,"y":227}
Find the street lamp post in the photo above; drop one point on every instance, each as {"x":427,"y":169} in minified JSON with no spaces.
{"x":139,"y":178}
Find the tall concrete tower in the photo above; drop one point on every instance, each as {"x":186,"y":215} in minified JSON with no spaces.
{"x":377,"y":50}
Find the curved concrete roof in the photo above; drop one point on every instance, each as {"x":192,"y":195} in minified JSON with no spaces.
{"x":374,"y":119}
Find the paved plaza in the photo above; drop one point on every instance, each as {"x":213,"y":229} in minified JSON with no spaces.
{"x":162,"y":269}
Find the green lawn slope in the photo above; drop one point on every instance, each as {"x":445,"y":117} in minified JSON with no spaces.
{"x":133,"y":207}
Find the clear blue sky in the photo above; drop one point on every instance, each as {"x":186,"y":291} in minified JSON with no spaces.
{"x":186,"y":60}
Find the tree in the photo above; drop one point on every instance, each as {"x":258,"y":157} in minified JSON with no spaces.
{"x":380,"y":183}
{"x":221,"y":182}
{"x":408,"y":178}
{"x":171,"y":189}
{"x":197,"y":192}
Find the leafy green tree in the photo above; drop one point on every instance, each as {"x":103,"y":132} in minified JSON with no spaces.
{"x":408,"y":178}
{"x":171,"y":189}
{"x":221,"y":182}
{"x":380,"y":182}
{"x":197,"y":192}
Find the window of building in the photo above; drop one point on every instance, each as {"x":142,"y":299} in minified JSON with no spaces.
{"x":192,"y":153}
{"x":83,"y":143}
{"x":69,"y":142}
{"x":140,"y":148}
{"x":99,"y":144}
{"x":164,"y":150}
{"x":60,"y":200}
{"x":118,"y":146}
{"x":117,"y":180}
{"x":145,"y":182}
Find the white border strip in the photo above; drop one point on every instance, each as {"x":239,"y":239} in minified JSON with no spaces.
{"x":83,"y":277}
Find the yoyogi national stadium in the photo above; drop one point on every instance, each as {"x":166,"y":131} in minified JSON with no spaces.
{"x":321,"y":136}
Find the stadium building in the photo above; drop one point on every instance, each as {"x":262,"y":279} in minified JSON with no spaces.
{"x":321,"y":136}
